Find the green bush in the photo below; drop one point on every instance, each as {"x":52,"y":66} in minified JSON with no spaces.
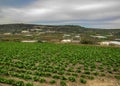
{"x":19,"y":83}
{"x":87,"y":72}
{"x":110,"y":71}
{"x":56,"y":77}
{"x":29,"y":84}
{"x":83,"y":81}
{"x":96,"y":73}
{"x":52,"y":81}
{"x":61,"y":72}
{"x":63,"y":78}
{"x":83,"y":76}
{"x":72,"y":79}
{"x":75,"y":74}
{"x":102,"y":74}
{"x":85,"y":41}
{"x":63,"y":83}
{"x":90,"y":77}
{"x":11,"y":81}
{"x":27,"y":77}
{"x":68,"y":73}
{"x":117,"y":77}
{"x":78,"y":70}
{"x":36,"y":78}
{"x":70,"y":70}
{"x":47,"y":75}
{"x":42,"y":80}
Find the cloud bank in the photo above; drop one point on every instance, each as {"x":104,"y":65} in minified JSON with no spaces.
{"x":89,"y":13}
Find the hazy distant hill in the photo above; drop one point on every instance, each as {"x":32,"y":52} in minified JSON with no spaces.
{"x":16,"y":28}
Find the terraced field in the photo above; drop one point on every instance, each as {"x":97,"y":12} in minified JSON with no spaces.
{"x":46,"y":64}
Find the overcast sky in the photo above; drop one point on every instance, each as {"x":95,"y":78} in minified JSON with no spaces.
{"x":88,"y":13}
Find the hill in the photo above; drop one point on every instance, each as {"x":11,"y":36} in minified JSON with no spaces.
{"x":57,"y":33}
{"x":17,"y":28}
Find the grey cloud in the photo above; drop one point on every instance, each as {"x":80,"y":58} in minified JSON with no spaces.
{"x":82,"y":11}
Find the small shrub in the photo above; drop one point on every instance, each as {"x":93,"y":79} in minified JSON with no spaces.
{"x":74,"y":74}
{"x":36,"y":78}
{"x":11,"y":81}
{"x":90,"y":77}
{"x":100,"y":67}
{"x":47,"y":74}
{"x":83,"y":76}
{"x":102,"y":74}
{"x":70,"y":70}
{"x":56,"y":77}
{"x":72,"y":79}
{"x":42,"y":80}
{"x":87,"y":72}
{"x":84,"y":41}
{"x":63,"y":78}
{"x":96,"y":73}
{"x":115,"y":69}
{"x":68,"y":73}
{"x":117,"y":77}
{"x":19,"y":83}
{"x":52,"y":81}
{"x":27,"y":77}
{"x":109,"y":71}
{"x":29,"y":84}
{"x":83,"y":81}
{"x":63,"y":83}
{"x":78,"y":70}
{"x":61,"y":72}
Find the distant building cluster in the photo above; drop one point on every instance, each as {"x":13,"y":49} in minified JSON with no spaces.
{"x":100,"y":37}
{"x":107,"y":43}
{"x":31,"y":41}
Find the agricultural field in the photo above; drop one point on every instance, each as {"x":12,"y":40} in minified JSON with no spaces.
{"x":47,"y":64}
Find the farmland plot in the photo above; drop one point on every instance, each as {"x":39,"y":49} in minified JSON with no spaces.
{"x":46,"y":64}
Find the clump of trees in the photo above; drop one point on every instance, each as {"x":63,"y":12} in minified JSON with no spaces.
{"x":87,"y":41}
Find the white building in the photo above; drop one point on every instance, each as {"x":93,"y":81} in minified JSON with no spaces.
{"x":24,"y":31}
{"x":75,"y":41}
{"x":100,"y":37}
{"x":115,"y":42}
{"x":36,"y":29}
{"x":117,"y":39}
{"x":66,"y":41}
{"x":105,"y":43}
{"x":28,"y":35}
{"x":110,"y":43}
{"x":30,"y":41}
{"x":77,"y":36}
{"x":66,"y":35}
{"x":7,"y":34}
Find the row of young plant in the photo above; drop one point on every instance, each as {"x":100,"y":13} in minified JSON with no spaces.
{"x":37,"y":77}
{"x":65,"y":71}
{"x":14,"y":82}
{"x":42,"y":80}
{"x":47,"y":74}
{"x":61,"y":60}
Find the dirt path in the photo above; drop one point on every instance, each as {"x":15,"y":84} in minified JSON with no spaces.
{"x":4,"y":84}
{"x":103,"y":82}
{"x":98,"y":82}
